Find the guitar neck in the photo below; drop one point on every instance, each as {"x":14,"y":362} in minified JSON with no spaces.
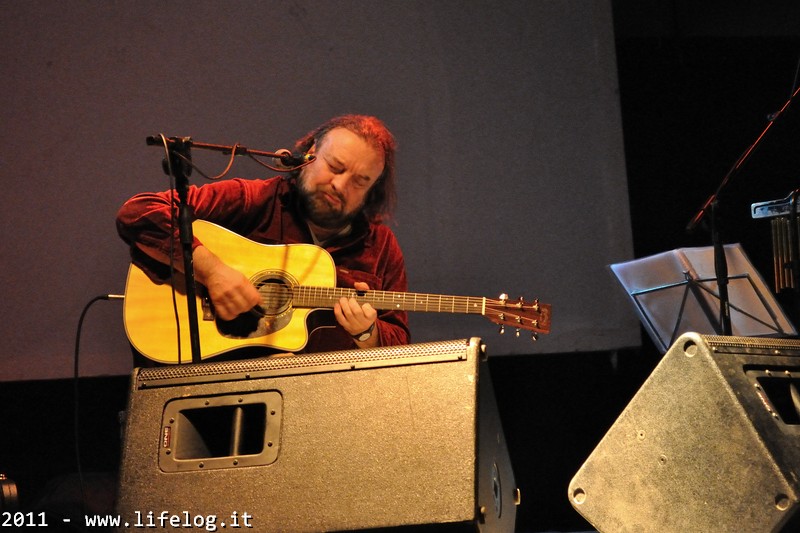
{"x":326,"y":297}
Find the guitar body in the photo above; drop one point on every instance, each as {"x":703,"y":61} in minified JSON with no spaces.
{"x":149,"y":314}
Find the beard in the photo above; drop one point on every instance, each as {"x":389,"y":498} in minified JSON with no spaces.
{"x":321,"y":211}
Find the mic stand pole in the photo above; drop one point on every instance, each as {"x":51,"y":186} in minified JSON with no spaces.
{"x":179,"y":158}
{"x":720,"y":261}
{"x":721,"y":271}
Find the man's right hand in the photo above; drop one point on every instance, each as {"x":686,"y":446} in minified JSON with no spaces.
{"x":230,"y":291}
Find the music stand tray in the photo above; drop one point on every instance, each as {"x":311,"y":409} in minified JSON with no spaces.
{"x":676,"y":292}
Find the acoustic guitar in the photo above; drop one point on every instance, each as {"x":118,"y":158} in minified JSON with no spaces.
{"x":294,"y":280}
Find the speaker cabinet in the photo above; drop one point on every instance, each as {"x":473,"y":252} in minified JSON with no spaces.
{"x":710,"y":442}
{"x":403,"y":437}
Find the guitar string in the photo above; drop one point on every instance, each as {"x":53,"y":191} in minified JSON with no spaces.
{"x":284,"y":293}
{"x":276,"y":295}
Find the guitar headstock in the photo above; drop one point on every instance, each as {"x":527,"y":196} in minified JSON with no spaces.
{"x":519,"y":314}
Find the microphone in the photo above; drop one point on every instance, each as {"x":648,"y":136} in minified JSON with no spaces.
{"x":288,"y":159}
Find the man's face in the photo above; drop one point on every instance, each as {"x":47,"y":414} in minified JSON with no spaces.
{"x":335,"y":185}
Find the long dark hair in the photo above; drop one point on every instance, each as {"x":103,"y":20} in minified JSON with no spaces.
{"x":380,"y":203}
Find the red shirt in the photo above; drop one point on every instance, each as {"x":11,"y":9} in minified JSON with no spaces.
{"x":265,"y":211}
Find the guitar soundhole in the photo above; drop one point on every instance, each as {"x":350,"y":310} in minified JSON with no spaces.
{"x":276,"y":295}
{"x":274,"y":313}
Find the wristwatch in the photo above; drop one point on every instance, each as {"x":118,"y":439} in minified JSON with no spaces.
{"x":365,"y":335}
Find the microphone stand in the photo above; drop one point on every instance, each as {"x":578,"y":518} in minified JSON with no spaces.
{"x":179,"y":153}
{"x":180,"y":164}
{"x":712,"y":204}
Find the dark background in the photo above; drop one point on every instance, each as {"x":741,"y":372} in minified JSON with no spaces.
{"x":697,"y":84}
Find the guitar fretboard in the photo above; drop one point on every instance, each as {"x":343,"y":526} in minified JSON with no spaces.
{"x":325,"y":297}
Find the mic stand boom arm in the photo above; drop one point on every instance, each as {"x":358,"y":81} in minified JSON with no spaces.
{"x":189,"y":143}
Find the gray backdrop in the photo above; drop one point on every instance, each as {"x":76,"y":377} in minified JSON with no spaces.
{"x":512,"y":173}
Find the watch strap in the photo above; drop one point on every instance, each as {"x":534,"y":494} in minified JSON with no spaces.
{"x":366,"y":334}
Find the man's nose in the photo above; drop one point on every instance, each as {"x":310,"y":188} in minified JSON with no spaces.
{"x":340,"y":181}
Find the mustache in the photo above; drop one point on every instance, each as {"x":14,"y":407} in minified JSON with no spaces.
{"x":332,"y":192}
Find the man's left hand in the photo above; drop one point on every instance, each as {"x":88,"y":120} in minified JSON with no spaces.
{"x":356,"y":318}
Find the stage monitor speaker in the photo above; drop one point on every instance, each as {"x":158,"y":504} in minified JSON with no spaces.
{"x":404,"y":437}
{"x":710,"y":442}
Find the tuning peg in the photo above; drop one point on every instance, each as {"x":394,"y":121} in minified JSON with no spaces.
{"x":502,"y":330}
{"x":503,"y":298}
{"x":534,"y":336}
{"x":520,"y":302}
{"x":517,"y":333}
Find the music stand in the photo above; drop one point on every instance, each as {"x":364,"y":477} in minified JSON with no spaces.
{"x":676,"y":292}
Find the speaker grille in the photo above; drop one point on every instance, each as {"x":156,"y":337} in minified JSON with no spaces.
{"x":753,"y":345}
{"x":289,"y":364}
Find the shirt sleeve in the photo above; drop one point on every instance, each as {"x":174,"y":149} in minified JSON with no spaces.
{"x":148,"y":222}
